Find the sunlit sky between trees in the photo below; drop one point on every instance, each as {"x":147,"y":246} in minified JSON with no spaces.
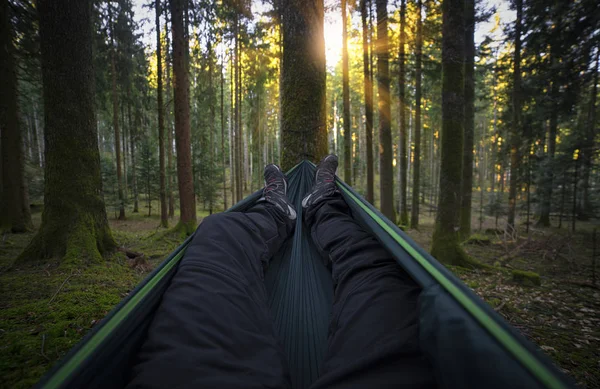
{"x":333,"y":23}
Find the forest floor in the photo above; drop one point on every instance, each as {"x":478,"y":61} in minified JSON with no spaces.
{"x":45,"y":309}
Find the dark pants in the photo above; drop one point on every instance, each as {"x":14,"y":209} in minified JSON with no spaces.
{"x":214,"y":328}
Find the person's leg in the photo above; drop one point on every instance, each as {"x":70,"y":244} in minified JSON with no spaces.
{"x":213,"y":327}
{"x":373,"y":335}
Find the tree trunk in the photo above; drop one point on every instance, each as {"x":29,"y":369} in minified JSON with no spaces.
{"x":211,"y":127}
{"x":15,"y":214}
{"x":346,"y":100}
{"x":35,"y":142}
{"x":586,"y":210}
{"x":132,"y":137}
{"x":371,"y":79}
{"x":303,"y":108}
{"x":544,"y":219}
{"x":187,"y":201}
{"x":574,"y":208}
{"x":239,"y":175}
{"x":124,"y":149}
{"x":224,"y":163}
{"x":368,"y":90}
{"x":402,"y":112}
{"x":164,"y":216}
{"x":386,"y":183}
{"x":445,"y":245}
{"x":115,"y":106}
{"x":414,"y":220}
{"x":74,"y":224}
{"x":516,"y":125}
{"x":469,"y":126}
{"x":169,"y":127}
{"x":232,"y":121}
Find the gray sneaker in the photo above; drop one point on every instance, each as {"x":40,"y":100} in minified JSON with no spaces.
{"x":275,"y":191}
{"x":324,"y":185}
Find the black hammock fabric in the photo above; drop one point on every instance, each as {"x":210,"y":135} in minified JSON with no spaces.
{"x":467,"y":342}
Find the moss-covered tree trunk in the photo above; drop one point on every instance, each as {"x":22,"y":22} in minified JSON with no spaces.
{"x":386,"y":184}
{"x":187,"y":200}
{"x":303,"y":112}
{"x":445,"y":245}
{"x":368,"y":90}
{"x":115,"y":106}
{"x":469,"y":132}
{"x":416,"y":189}
{"x":346,"y":100}
{"x":515,"y":134}
{"x":74,"y":224}
{"x":14,"y":201}
{"x":403,"y":113}
{"x":164,"y":217}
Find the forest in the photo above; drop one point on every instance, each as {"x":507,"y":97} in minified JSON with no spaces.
{"x":470,"y":124}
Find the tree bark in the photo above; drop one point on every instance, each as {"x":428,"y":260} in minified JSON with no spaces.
{"x":402,"y":112}
{"x":445,"y":245}
{"x":544,"y":218}
{"x":386,"y":184}
{"x":187,"y":201}
{"x":232,"y":121}
{"x":469,"y":126}
{"x":169,"y":127}
{"x":74,"y":223}
{"x":164,"y":216}
{"x":303,"y":93}
{"x":224,"y":163}
{"x":115,"y":106}
{"x":238,"y":121}
{"x":15,"y":214}
{"x":416,"y":188}
{"x":211,"y":127}
{"x":346,"y":100}
{"x":516,"y":116}
{"x":368,"y":90}
{"x":588,"y":150}
{"x":132,"y":137}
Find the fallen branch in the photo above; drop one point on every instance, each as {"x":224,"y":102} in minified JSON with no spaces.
{"x":584,"y":283}
{"x":43,"y":343}
{"x":512,"y":254}
{"x":60,"y":287}
{"x":499,"y":307}
{"x":130,"y":254}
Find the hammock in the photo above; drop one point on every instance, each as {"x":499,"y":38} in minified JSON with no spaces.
{"x":467,"y":342}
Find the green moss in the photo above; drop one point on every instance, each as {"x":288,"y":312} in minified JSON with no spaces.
{"x":447,"y":250}
{"x":81,"y":244}
{"x":479,"y":239}
{"x":473,"y":284}
{"x":526,"y":278}
{"x":183,"y":230}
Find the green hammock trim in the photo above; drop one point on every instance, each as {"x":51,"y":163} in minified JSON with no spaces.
{"x":506,"y":339}
{"x":87,"y":349}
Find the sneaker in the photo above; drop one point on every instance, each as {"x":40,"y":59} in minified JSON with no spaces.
{"x":324,"y":181}
{"x":275,"y":191}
